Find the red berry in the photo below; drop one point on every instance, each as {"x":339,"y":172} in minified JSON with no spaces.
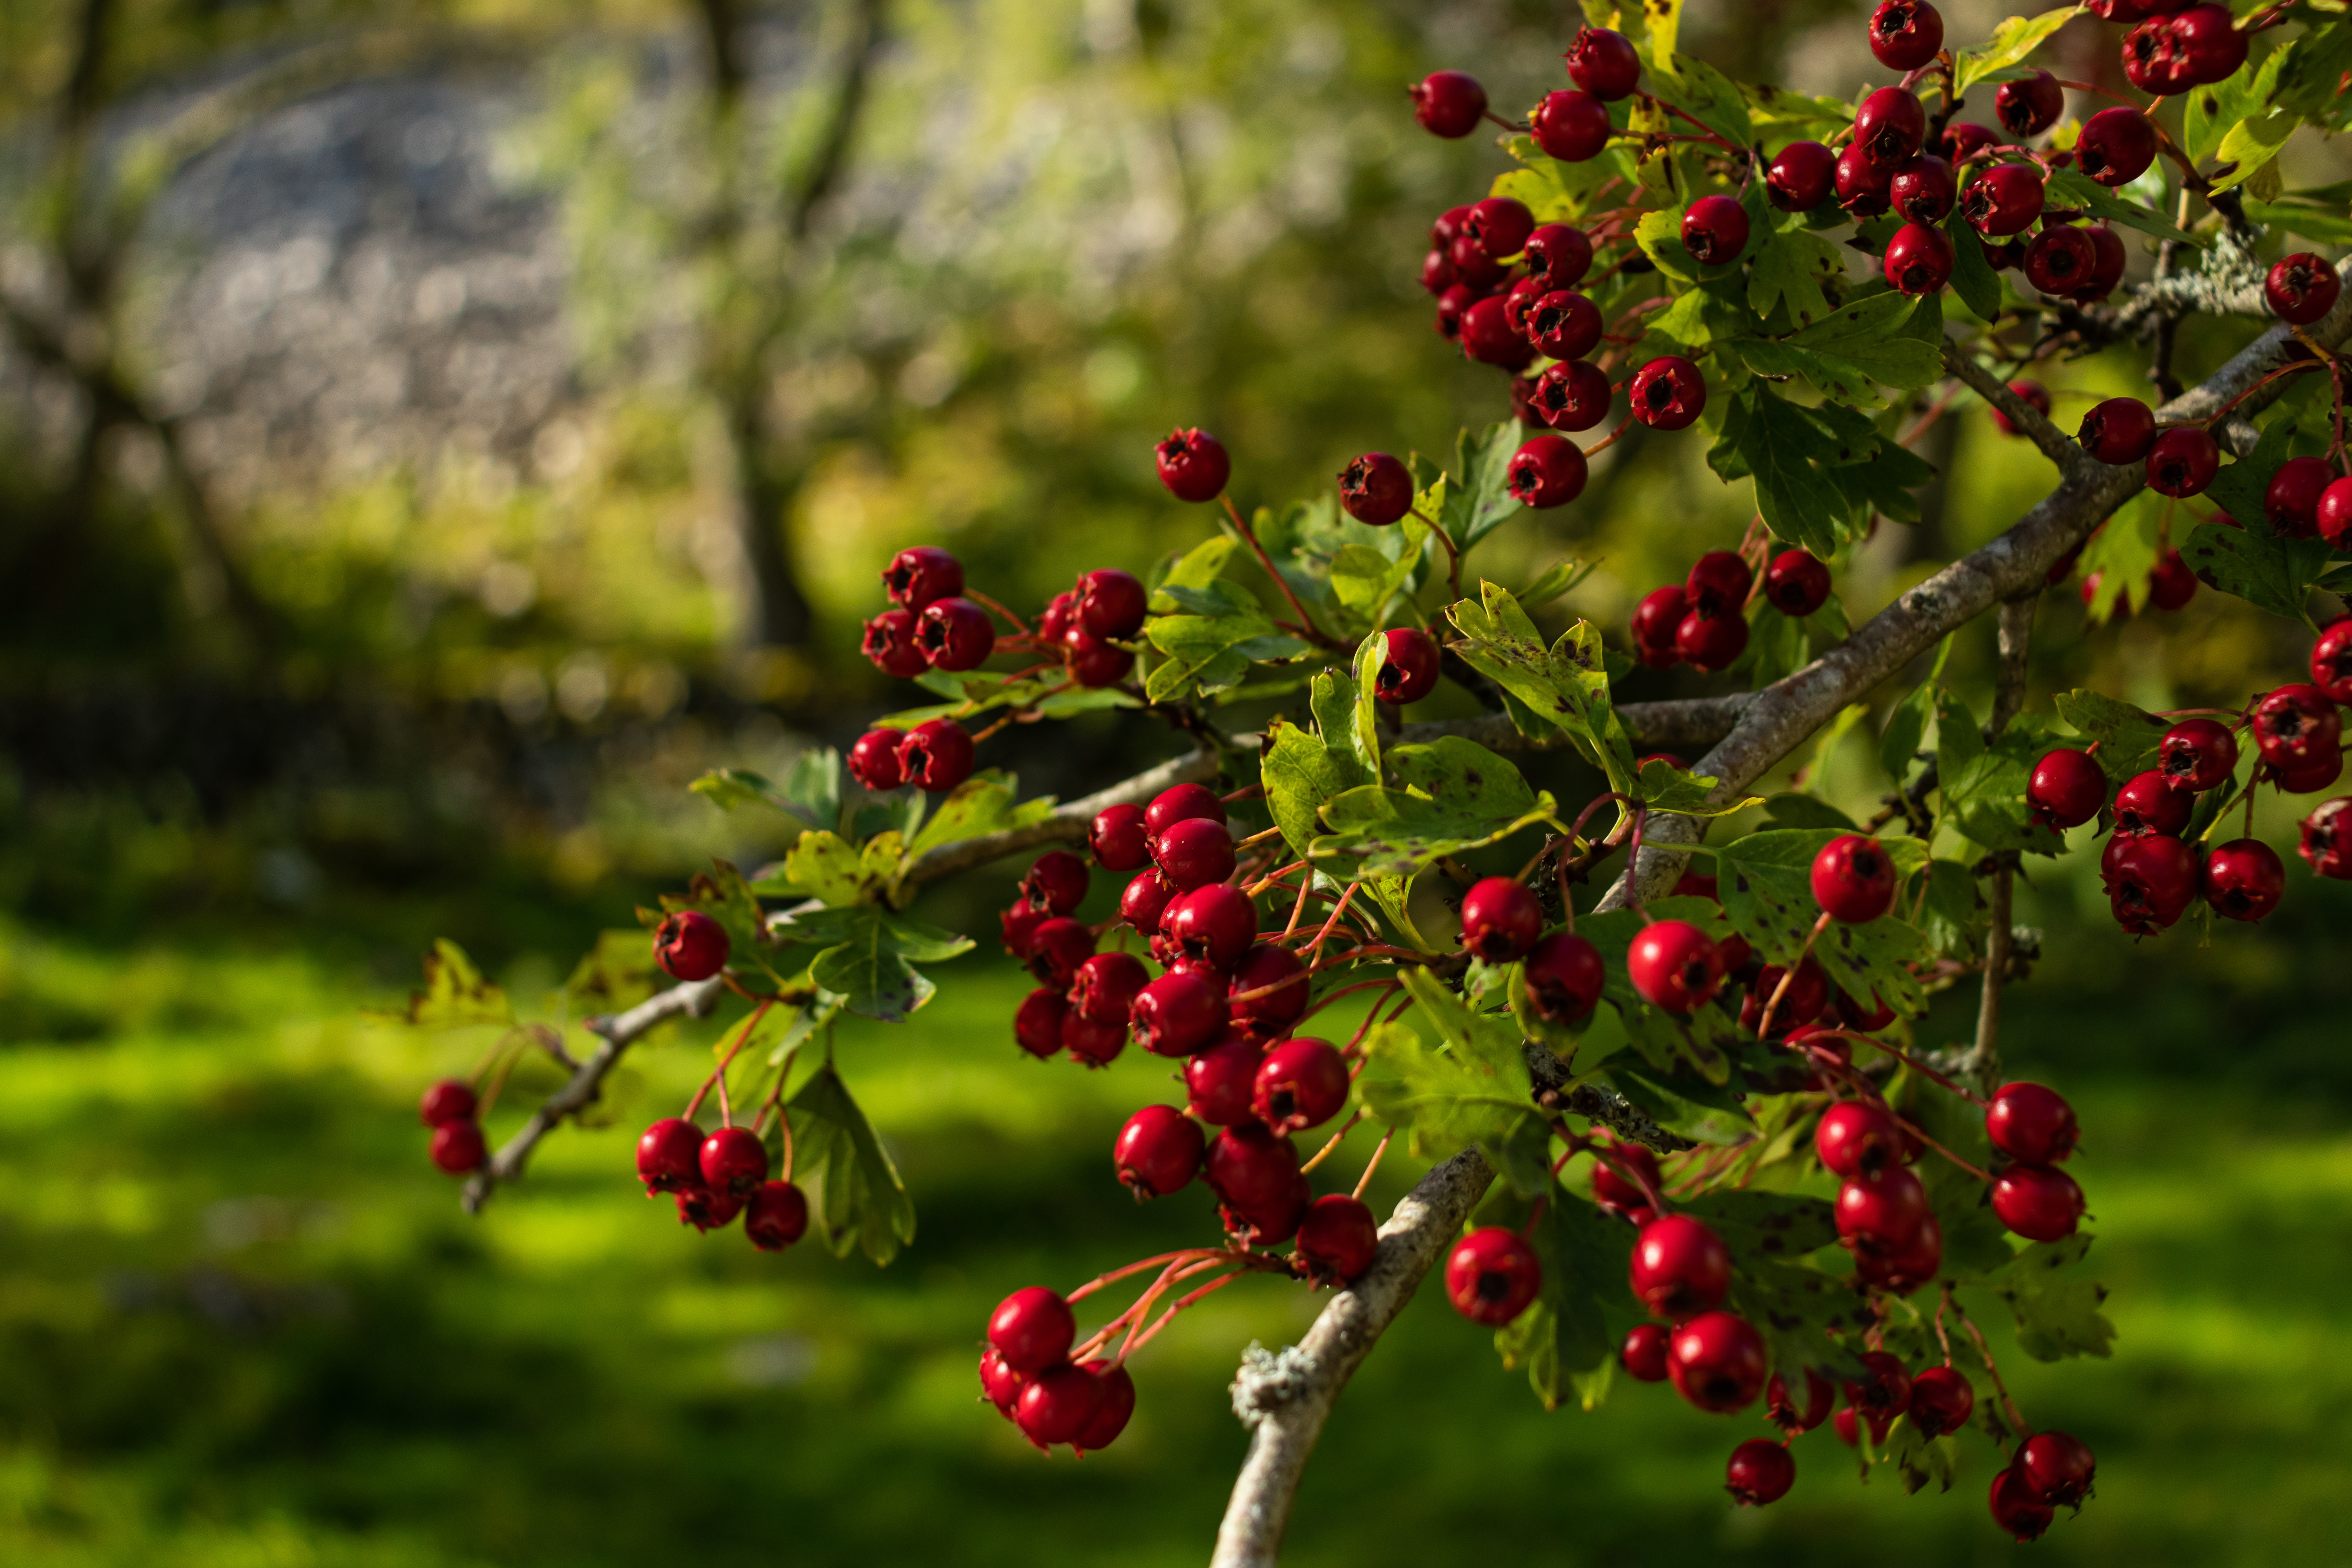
{"x":1905,"y":35}
{"x":2108,"y":259}
{"x":1807,"y":995}
{"x":2207,"y":45}
{"x":1092,"y":662}
{"x":1215,"y":923}
{"x":1711,"y":640}
{"x":1853,"y":879}
{"x":1890,"y":128}
{"x":775,"y":1216}
{"x":954,"y":635}
{"x":1564,"y":324}
{"x":1601,"y":61}
{"x":1563,"y":977}
{"x":1114,"y":1406}
{"x":2029,"y":1122}
{"x":1473,"y":265}
{"x":1302,"y":1083}
{"x":1918,"y":259}
{"x":1715,"y":230}
{"x":2331,"y":660}
{"x":2332,"y":516}
{"x":1501,"y":225}
{"x":1119,"y":839}
{"x":1220,"y":1080}
{"x":459,"y":1148}
{"x":1717,"y":584}
{"x":1570,"y":126}
{"x":2326,"y":839}
{"x":1195,"y":853}
{"x":1491,"y":1276}
{"x":1668,"y":394}
{"x":1110,"y":603}
{"x":1091,"y":1042}
{"x":2057,"y":1467}
{"x":1106,"y":985}
{"x":1056,"y":882}
{"x":1864,"y":189}
{"x":2003,"y":200}
{"x":669,"y":1155}
{"x":1337,"y":1237}
{"x":1717,"y":1362}
{"x":1657,"y":620}
{"x":733,"y":1162}
{"x":1408,"y":669}
{"x":1559,"y":255}
{"x":915,"y":577}
{"x":1450,"y":308}
{"x":1037,"y":1022}
{"x":451,"y":1100}
{"x":2196,"y":754}
{"x":1679,"y":1267}
{"x":1192,"y":463}
{"x":1060,"y":618}
{"x":2029,"y":105}
{"x":1182,"y":803}
{"x":1857,"y":1138}
{"x":2037,"y":1202}
{"x":2066,"y":789}
{"x":1801,"y":176}
{"x":1032,"y":1328}
{"x":2150,"y":881}
{"x":1489,"y":338}
{"x":2310,"y":780}
{"x":2183,"y":461}
{"x":1518,"y":300}
{"x":1860,"y":1019}
{"x":1248,"y":1166}
{"x":2016,"y":1509}
{"x":1643,"y":1352}
{"x":1278,"y":973}
{"x":2295,"y":726}
{"x":1941,"y":1400}
{"x":2292,"y":499}
{"x":1500,"y":919}
{"x":1673,"y":965}
{"x":1157,"y":1152}
{"x":998,"y":1383}
{"x":2118,"y":431}
{"x":2245,"y":880}
{"x":2116,"y":146}
{"x":1271,"y":1221}
{"x":874,"y":761}
{"x":1376,"y":489}
{"x":2059,"y":259}
{"x":2148,"y":803}
{"x":707,"y":1208}
{"x":1963,"y":140}
{"x":936,"y":755}
{"x":1546,"y":471}
{"x":1143,"y":904}
{"x":1761,"y":1471}
{"x":1881,"y":1210}
{"x":889,"y":643}
{"x":1437,"y":272}
{"x":1884,"y":1390}
{"x":1178,"y":1014}
{"x":1621,"y":1194}
{"x":1056,"y":948}
{"x":690,"y":945}
{"x":1781,"y":1411}
{"x":2035,"y":395}
{"x":1057,"y":1404}
{"x":1448,"y":104}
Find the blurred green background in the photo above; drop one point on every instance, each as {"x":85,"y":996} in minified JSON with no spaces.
{"x":432,"y":434}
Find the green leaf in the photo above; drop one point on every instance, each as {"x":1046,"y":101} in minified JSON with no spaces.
{"x":982,"y":803}
{"x":862,"y":1202}
{"x":456,"y":997}
{"x":1863,"y":961}
{"x":1559,"y":578}
{"x":1805,"y":811}
{"x":1704,"y":93}
{"x":1478,"y":496}
{"x":1918,"y":1460}
{"x":1845,"y":353}
{"x":1196,"y":568}
{"x":1906,"y":726}
{"x":2012,"y":41}
{"x":1459,"y":797}
{"x":1202,"y":649}
{"x":1663,"y":787}
{"x":1300,"y":772}
{"x":869,"y":970}
{"x":2252,"y":145}
{"x":1583,"y":1256}
{"x":2127,"y":737}
{"x":1370,"y":654}
{"x":1565,"y":686}
{"x":1448,"y":1099}
{"x":1807,"y":1318}
{"x":811,"y":792}
{"x":1364,"y":581}
{"x":2211,"y":113}
{"x":1783,"y":1226}
{"x":2124,"y":552}
{"x":2267,"y":571}
{"x":824,"y":865}
{"x":1984,"y":787}
{"x":2057,"y":1308}
{"x":723,"y":895}
{"x":2068,"y":188}
{"x":1790,"y":270}
{"x":1765,"y":882}
{"x":2325,"y":225}
{"x":613,"y":976}
{"x":1973,"y":277}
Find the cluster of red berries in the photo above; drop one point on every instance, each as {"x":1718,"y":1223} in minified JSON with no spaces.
{"x":1702,"y":620}
{"x":718,"y":1177}
{"x":1027,"y":1374}
{"x":2150,"y":872}
{"x":450,"y":1108}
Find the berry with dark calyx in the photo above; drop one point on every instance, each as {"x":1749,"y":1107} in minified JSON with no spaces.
{"x":1675,"y":965}
{"x":2332,"y":516}
{"x":2331,"y":660}
{"x":1963,"y":140}
{"x":1058,"y":618}
{"x":1249,"y":1166}
{"x":2065,"y":789}
{"x":1657,"y":619}
{"x":1858,"y":1138}
{"x":2116,"y":147}
{"x":1271,"y":1221}
{"x":1797,"y":583}
{"x":1518,"y":302}
{"x":1905,"y":1265}
{"x":1144,"y":901}
{"x":1546,"y":471}
{"x":2016,"y":1509}
{"x":1215,"y":923}
{"x":1570,"y":126}
{"x":2153,"y":60}
{"x":775,"y":1216}
{"x":1114,"y":1406}
{"x":1501,"y":225}
{"x":690,"y":945}
{"x":669,"y":1155}
{"x":1157,"y":1152}
{"x":1719,"y":582}
{"x":1564,"y":324}
{"x":1711,"y":642}
{"x":1941,"y":1400}
{"x":1489,"y":337}
{"x":2037,"y":1202}
{"x":2196,"y":754}
{"x":2292,"y":499}
{"x":1178,"y":1014}
{"x":1821,"y":1394}
{"x":874,"y":761}
{"x":2035,"y":396}
{"x":733,"y":1162}
{"x":2182,"y":461}
{"x":1302,"y":1083}
{"x":1032,"y":1328}
{"x":1602,"y":62}
{"x":2207,"y":43}
{"x":1376,"y":489}
{"x":2148,"y":803}
{"x":1801,"y":176}
{"x":1278,"y":973}
{"x":1860,"y":1019}
{"x":2029,"y":1122}
{"x":1182,"y":803}
{"x":1448,"y":104}
{"x":1056,"y":948}
{"x":2318,"y":776}
{"x":2058,"y":1467}
{"x":1881,"y":1210}
{"x":1119,"y":839}
{"x":2325,"y":839}
{"x":1563,"y":976}
{"x":1923,"y":191}
{"x":1056,"y":882}
{"x":1715,"y":230}
{"x":2108,"y":259}
{"x":1092,"y":1042}
{"x":1194,"y":852}
{"x":1094,"y":662}
{"x":1864,"y":189}
{"x":2003,"y":200}
{"x":2245,"y":880}
{"x":1761,"y":1471}
{"x":1668,"y":394}
{"x":2301,"y":289}
{"x":1918,"y":260}
{"x":1717,"y":1362}
{"x":1500,"y":919}
{"x":2059,"y":259}
{"x":1891,"y":126}
{"x":1193,"y":464}
{"x":1559,"y":255}
{"x":1573,"y":396}
{"x":890,"y":644}
{"x":915,"y":577}
{"x":2029,"y":105}
{"x":458,"y":1147}
{"x":1219,"y":1081}
{"x":1491,"y":1276}
{"x":706,"y":1208}
{"x":954,"y":635}
{"x":998,"y":1383}
{"x":1807,"y":995}
{"x":1884,"y":1390}
{"x":2296,"y":725}
{"x":1853,"y":879}
{"x":451,"y":1100}
{"x":1057,"y":1403}
{"x":1905,"y":35}
{"x":2153,"y":880}
{"x":936,"y":755}
{"x":1642,"y":1352}
{"x":2118,"y":431}
{"x":1473,"y":267}
{"x":1019,"y":925}
{"x":1106,"y":986}
{"x":1338,"y":1238}
{"x":1679,"y":1266}
{"x":1037,"y":1022}
{"x":1409,"y":665}
{"x":1110,"y":603}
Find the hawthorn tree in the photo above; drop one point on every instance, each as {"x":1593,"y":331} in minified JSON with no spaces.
{"x":1636,"y":1107}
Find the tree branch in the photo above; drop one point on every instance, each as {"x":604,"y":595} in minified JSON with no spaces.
{"x":2016,"y":626}
{"x":1691,"y":723}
